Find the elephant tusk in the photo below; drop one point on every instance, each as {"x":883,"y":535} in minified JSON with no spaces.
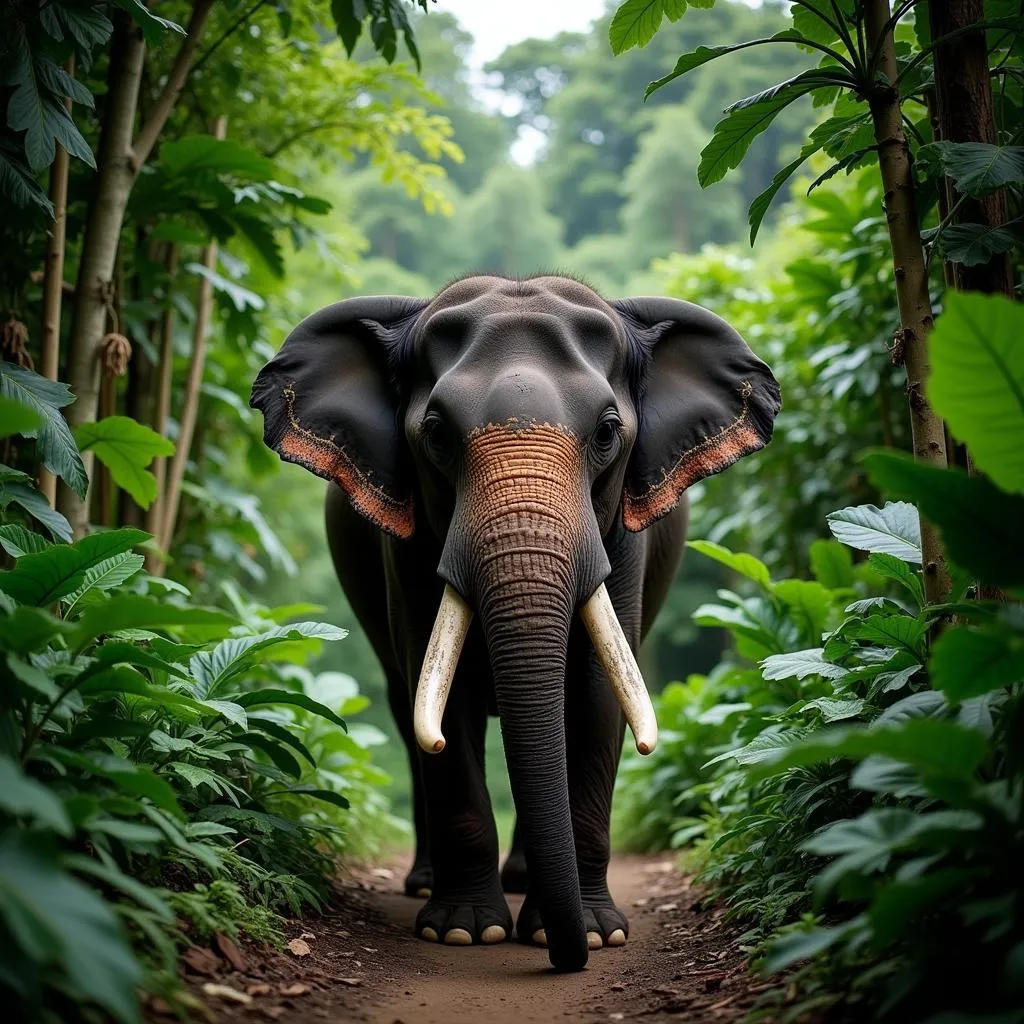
{"x":443,"y":650}
{"x":620,"y":666}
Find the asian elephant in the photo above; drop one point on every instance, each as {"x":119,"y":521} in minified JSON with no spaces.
{"x":508,"y":460}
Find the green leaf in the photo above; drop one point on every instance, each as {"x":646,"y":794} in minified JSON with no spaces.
{"x":761,"y":203}
{"x":23,"y":797}
{"x":973,"y":245}
{"x":327,"y":795}
{"x":832,"y":564}
{"x":892,"y":568}
{"x":120,"y":653}
{"x":977,"y":381}
{"x":18,"y":183}
{"x":636,"y":21}
{"x":126,"y":448}
{"x":261,"y":698}
{"x":55,"y":445}
{"x":23,"y":494}
{"x":211,"y":670}
{"x":975,"y":168}
{"x":810,"y":604}
{"x":836,"y":710}
{"x":894,"y":529}
{"x":131,"y":778}
{"x":793,"y":947}
{"x":109,"y":574}
{"x":128,"y":611}
{"x":745,"y":565}
{"x":153,"y":28}
{"x":891,"y":631}
{"x":936,"y":748}
{"x":52,"y":916}
{"x":27,"y":630}
{"x":968,"y":662}
{"x":45,"y":576}
{"x":193,"y":155}
{"x":17,"y":418}
{"x":734,"y":134}
{"x":280,"y":733}
{"x":34,"y":678}
{"x":800,"y":665}
{"x":978,"y":521}
{"x":142,"y":894}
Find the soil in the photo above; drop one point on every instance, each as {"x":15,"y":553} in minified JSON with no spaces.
{"x":360,"y":962}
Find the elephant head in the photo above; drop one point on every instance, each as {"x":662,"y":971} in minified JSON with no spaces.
{"x":520,"y":422}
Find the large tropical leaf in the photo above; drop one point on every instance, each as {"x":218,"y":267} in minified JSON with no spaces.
{"x":109,"y":574}
{"x":975,"y":244}
{"x":56,"y":447}
{"x":17,"y":418}
{"x":43,"y":577}
{"x":126,"y":447}
{"x":16,"y":488}
{"x":975,"y":168}
{"x":977,"y":381}
{"x":129,"y":611}
{"x":894,"y":529}
{"x":636,"y":21}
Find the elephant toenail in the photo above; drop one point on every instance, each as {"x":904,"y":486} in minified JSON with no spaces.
{"x":617,"y":938}
{"x":594,"y":940}
{"x":540,"y":937}
{"x":492,"y":933}
{"x":424,"y":892}
{"x":457,"y":937}
{"x":429,"y":934}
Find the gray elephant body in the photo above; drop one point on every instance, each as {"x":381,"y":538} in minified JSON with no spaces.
{"x":522,"y":442}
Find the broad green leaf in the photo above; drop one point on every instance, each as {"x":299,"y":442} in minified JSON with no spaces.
{"x":636,"y":21}
{"x":211,"y":670}
{"x":968,"y":662}
{"x":126,"y":448}
{"x":832,"y":564}
{"x":120,"y":653}
{"x":23,"y":797}
{"x":43,"y":577}
{"x":24,"y":495}
{"x":34,"y":678}
{"x":134,"y":779}
{"x":817,"y":20}
{"x":978,"y":521}
{"x":800,"y":665}
{"x":116,"y":879}
{"x":198,"y":154}
{"x":898,"y":906}
{"x":894,"y":529}
{"x":129,"y":611}
{"x":327,"y":795}
{"x":55,"y":918}
{"x":27,"y":630}
{"x":277,"y":752}
{"x":745,"y":565}
{"x":891,"y":631}
{"x":154,"y":28}
{"x":892,"y":568}
{"x":924,"y":704}
{"x":760,"y":204}
{"x":976,"y":244}
{"x":261,"y":698}
{"x":55,"y":445}
{"x":18,"y":541}
{"x":792,"y":947}
{"x":17,"y":418}
{"x":975,"y":168}
{"x":935,"y":747}
{"x":18,"y":183}
{"x":109,"y":574}
{"x":810,"y":604}
{"x":282,"y":734}
{"x":836,"y":710}
{"x":977,"y":381}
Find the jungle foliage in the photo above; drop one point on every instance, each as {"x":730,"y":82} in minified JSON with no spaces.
{"x":848,"y":778}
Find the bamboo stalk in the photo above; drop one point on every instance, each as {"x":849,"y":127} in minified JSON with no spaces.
{"x":911,"y":276}
{"x":190,"y":405}
{"x":53,"y":280}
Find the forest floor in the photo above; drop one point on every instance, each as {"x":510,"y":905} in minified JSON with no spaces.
{"x":360,"y":962}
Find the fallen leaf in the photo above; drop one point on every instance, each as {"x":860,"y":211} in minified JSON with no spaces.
{"x":298,"y":989}
{"x":383,"y":873}
{"x":260,"y":989}
{"x":369,"y":949}
{"x":200,"y":961}
{"x":231,"y":952}
{"x":299,"y":947}
{"x":351,"y":982}
{"x":666,"y":908}
{"x":232,"y":995}
{"x":308,"y":935}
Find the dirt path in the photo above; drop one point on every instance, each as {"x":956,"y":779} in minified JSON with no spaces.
{"x":363,"y":964}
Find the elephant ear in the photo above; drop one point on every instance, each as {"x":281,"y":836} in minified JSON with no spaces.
{"x":707,"y":401}
{"x":329,"y":403}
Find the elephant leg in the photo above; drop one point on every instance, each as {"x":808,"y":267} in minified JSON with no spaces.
{"x":513,"y":872}
{"x":467,"y":905}
{"x":420,"y":879}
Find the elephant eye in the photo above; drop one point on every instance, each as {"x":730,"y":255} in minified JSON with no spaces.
{"x":606,"y":436}
{"x":436,"y":438}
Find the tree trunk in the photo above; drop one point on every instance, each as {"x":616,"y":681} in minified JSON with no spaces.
{"x":963,"y":95}
{"x":915,"y":308}
{"x":190,"y":404}
{"x":162,"y":408}
{"x":118,"y":165}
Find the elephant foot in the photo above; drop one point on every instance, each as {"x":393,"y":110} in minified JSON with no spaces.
{"x":420,"y":880}
{"x":465,"y":924}
{"x":606,"y":925}
{"x":513,"y":873}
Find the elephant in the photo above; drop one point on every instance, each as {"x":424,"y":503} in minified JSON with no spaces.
{"x":508,"y":462}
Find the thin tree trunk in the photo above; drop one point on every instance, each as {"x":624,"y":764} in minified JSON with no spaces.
{"x":190,"y":405}
{"x":53,"y":281}
{"x":963,"y":95}
{"x":118,"y":165}
{"x":911,"y":275}
{"x":165,"y":379}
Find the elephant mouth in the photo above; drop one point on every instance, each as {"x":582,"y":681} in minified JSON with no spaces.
{"x":613,"y":652}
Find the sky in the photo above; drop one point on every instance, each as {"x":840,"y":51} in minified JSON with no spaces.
{"x":496,"y":24}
